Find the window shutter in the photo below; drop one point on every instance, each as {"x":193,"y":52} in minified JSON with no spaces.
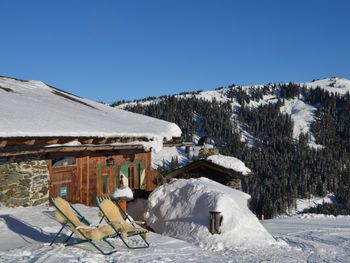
{"x":123,"y":170}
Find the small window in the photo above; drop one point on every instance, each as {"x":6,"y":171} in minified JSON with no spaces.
{"x":105,"y":184}
{"x":63,"y":161}
{"x":63,"y":191}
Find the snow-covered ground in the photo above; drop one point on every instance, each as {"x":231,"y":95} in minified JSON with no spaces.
{"x":25,"y":234}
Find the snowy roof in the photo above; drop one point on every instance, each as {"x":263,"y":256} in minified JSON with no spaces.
{"x":34,"y":109}
{"x":229,"y":162}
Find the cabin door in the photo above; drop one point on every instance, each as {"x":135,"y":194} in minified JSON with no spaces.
{"x":107,"y":180}
{"x":63,"y":174}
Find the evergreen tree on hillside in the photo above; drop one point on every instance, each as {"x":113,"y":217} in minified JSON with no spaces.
{"x":283,"y":168}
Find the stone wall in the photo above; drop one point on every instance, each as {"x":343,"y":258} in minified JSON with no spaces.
{"x":235,"y":183}
{"x":23,"y":181}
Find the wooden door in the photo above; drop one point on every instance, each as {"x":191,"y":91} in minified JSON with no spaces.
{"x":107,"y":180}
{"x":63,"y":181}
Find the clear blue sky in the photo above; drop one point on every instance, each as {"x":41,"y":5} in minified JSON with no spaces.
{"x":109,"y":50}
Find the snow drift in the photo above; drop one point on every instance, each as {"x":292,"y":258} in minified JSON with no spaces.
{"x":181,"y":209}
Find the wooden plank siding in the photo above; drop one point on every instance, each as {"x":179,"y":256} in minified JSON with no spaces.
{"x":86,"y":178}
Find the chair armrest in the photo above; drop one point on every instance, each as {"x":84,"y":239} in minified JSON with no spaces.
{"x":139,"y":222}
{"x":92,"y":226}
{"x":86,"y":227}
{"x":117,"y":222}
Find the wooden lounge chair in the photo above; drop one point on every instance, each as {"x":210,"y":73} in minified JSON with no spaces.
{"x":70,"y":218}
{"x":115,"y":216}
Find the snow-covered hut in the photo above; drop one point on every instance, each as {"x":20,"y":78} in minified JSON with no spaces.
{"x":58,"y":144}
{"x":226,"y":170}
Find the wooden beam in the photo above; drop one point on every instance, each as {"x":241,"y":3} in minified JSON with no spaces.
{"x":13,"y":151}
{"x":3,"y":144}
{"x":52,"y":141}
{"x":29,"y":142}
{"x":86,"y":141}
{"x":101,"y":141}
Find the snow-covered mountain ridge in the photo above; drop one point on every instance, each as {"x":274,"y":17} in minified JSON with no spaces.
{"x":337,"y":85}
{"x":300,"y":111}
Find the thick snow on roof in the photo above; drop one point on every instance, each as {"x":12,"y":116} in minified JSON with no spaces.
{"x":229,"y":162}
{"x":181,"y":209}
{"x":165,"y":155}
{"x":31,"y":108}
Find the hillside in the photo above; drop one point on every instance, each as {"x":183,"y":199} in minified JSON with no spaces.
{"x":294,"y":136}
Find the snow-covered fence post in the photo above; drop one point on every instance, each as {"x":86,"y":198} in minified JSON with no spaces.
{"x":215,"y":221}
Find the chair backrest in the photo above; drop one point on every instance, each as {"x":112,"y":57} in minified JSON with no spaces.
{"x":64,"y":212}
{"x":111,"y":211}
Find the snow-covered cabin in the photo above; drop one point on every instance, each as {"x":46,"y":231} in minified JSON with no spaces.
{"x":58,"y":144}
{"x":226,"y":170}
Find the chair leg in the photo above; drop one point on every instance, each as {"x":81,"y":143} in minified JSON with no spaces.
{"x":92,"y":243}
{"x":109,"y":243}
{"x":135,"y":247}
{"x":99,"y":249}
{"x":58,"y":233}
{"x":69,"y":237}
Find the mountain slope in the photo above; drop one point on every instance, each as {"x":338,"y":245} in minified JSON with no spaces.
{"x":294,"y":136}
{"x":300,"y":111}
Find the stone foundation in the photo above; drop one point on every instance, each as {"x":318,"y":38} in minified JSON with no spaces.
{"x":23,"y":181}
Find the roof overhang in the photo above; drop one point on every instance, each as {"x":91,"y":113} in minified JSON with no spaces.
{"x":30,"y":150}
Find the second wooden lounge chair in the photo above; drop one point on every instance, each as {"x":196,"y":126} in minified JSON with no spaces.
{"x":115,"y":216}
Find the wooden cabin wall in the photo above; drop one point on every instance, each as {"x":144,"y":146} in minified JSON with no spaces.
{"x":83,"y":180}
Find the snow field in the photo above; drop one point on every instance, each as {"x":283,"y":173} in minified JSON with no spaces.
{"x":25,"y":234}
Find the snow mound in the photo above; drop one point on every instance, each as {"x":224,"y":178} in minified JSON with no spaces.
{"x":181,"y":209}
{"x":123,"y":193}
{"x":229,"y":162}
